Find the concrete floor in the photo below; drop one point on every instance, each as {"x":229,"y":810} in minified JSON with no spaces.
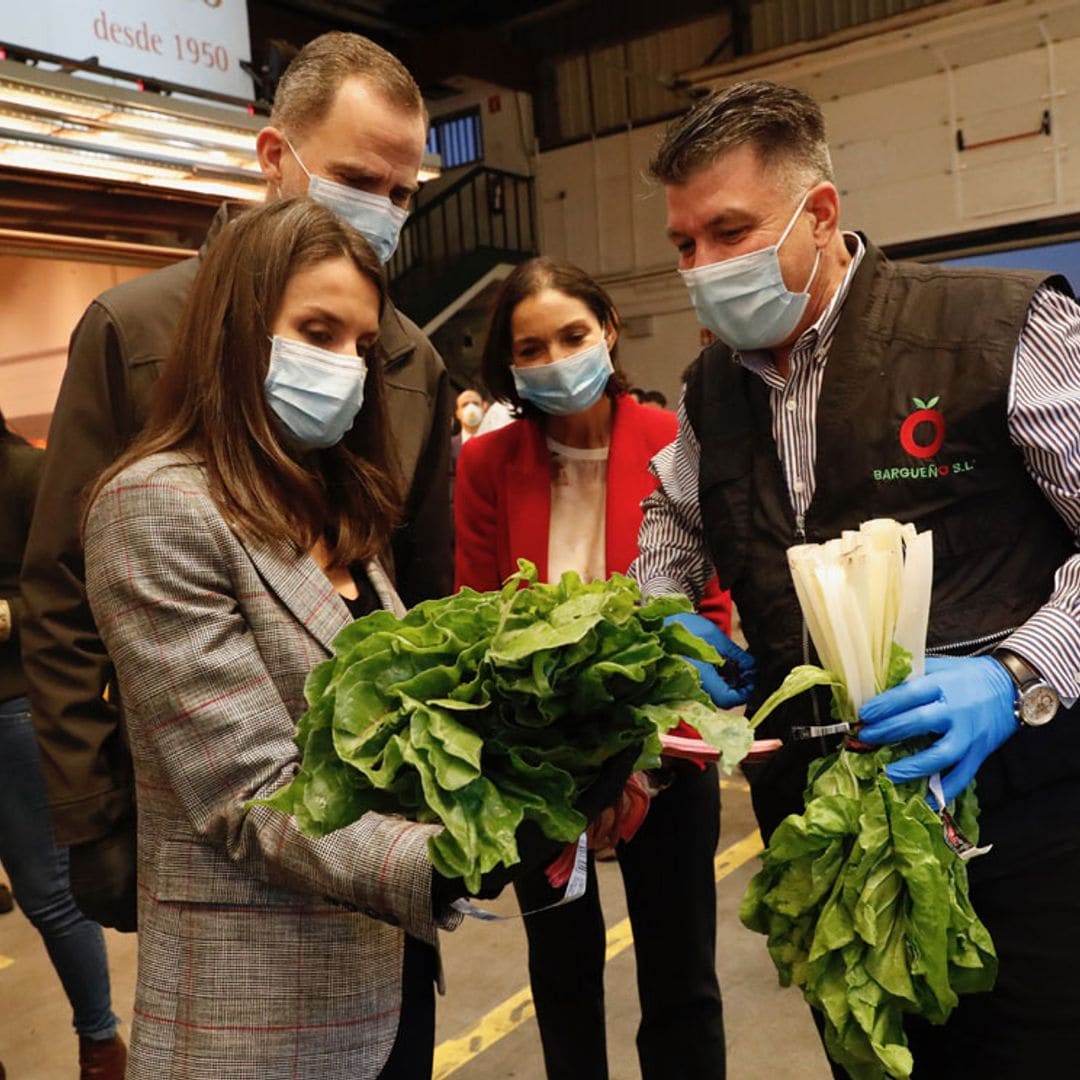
{"x":485,"y":1025}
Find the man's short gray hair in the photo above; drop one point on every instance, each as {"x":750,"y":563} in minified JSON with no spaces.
{"x":312,"y":79}
{"x":784,"y":126}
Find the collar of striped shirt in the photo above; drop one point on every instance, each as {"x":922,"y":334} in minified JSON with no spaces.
{"x":812,"y":345}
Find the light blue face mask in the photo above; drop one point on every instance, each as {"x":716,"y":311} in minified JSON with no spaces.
{"x":744,"y":300}
{"x":315,"y":393}
{"x":566,"y":386}
{"x":375,"y":217}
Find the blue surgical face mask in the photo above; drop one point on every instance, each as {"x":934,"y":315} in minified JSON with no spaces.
{"x":744,"y":300}
{"x":375,"y":217}
{"x":566,"y":386}
{"x":315,"y":393}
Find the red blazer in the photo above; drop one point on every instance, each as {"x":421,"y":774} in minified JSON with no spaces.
{"x":502,"y":500}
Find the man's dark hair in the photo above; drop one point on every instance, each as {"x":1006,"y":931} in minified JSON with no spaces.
{"x":785,"y":127}
{"x":658,"y":397}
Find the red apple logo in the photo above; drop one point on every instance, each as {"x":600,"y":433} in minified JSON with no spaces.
{"x":924,"y":414}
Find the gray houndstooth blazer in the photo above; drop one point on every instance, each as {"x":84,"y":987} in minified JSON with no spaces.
{"x":249,"y":965}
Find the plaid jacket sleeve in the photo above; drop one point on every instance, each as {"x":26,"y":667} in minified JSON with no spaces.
{"x":201,"y":703}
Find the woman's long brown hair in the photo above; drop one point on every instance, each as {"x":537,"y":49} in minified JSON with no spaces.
{"x":210,"y":403}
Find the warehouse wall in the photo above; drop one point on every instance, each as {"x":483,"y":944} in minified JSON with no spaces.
{"x":632,"y":82}
{"x":41,"y":300}
{"x":894,"y":104}
{"x":506,"y":119}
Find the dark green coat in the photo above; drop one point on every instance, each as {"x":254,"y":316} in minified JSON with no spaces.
{"x":20,"y":470}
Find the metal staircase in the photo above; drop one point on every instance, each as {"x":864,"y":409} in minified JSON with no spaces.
{"x":452,"y":246}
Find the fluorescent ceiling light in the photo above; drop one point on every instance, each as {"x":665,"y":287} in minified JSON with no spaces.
{"x":58,"y":123}
{"x":53,"y":122}
{"x":28,"y":153}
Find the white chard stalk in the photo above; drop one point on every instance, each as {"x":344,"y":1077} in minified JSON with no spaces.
{"x":914,"y":616}
{"x":860,"y":594}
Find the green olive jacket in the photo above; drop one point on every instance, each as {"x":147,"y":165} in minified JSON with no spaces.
{"x":20,"y":470}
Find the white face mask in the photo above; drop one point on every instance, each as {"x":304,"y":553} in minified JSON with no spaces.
{"x":375,"y":217}
{"x":744,"y":300}
{"x":471,"y":414}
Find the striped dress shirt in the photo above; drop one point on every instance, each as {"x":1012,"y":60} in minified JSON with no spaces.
{"x":1043,"y":422}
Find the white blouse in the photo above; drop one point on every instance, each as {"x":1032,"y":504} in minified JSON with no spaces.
{"x":578,"y":511}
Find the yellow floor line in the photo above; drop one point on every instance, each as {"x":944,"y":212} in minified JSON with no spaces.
{"x":454,"y":1054}
{"x":731,"y":784}
{"x":5,"y":961}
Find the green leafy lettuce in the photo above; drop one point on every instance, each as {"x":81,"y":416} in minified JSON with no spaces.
{"x":483,"y":710}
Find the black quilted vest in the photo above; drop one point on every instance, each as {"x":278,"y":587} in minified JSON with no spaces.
{"x":945,"y":462}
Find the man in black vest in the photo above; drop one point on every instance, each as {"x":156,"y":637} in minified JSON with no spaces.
{"x":844,"y":387}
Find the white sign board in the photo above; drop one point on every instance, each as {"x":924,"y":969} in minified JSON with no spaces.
{"x":196,"y":43}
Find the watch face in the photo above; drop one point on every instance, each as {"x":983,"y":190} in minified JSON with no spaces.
{"x":1039,"y":705}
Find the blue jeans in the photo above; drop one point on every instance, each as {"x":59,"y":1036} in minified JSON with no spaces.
{"x":39,"y":877}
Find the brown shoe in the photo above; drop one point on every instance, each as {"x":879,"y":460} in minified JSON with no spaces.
{"x":102,"y":1059}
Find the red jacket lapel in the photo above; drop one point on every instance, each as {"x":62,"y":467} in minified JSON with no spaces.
{"x":637,"y":433}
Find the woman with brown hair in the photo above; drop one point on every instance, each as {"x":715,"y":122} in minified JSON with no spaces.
{"x":224,"y":552}
{"x":562,"y":486}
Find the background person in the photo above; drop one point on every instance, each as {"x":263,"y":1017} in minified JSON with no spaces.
{"x":469,"y":411}
{"x":562,"y":487}
{"x":823,"y":344}
{"x":38,"y":869}
{"x":348,"y":127}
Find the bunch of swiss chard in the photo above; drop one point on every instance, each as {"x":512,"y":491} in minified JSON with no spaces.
{"x":482,"y":710}
{"x":864,"y":902}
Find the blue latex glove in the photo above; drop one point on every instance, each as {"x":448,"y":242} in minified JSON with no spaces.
{"x":969,"y":700}
{"x":737,"y":683}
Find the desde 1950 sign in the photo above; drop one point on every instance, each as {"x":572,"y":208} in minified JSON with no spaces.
{"x":197,"y":43}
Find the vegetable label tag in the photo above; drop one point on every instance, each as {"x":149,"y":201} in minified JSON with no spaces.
{"x":953,"y":836}
{"x":575,"y":888}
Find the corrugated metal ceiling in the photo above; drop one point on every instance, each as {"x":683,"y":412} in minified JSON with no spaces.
{"x":774,"y":23}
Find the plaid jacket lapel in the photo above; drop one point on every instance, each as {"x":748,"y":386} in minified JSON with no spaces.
{"x":384,"y":588}
{"x":302,"y":587}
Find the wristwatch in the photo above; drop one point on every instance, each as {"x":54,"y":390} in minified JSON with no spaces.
{"x":1037,"y":701}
